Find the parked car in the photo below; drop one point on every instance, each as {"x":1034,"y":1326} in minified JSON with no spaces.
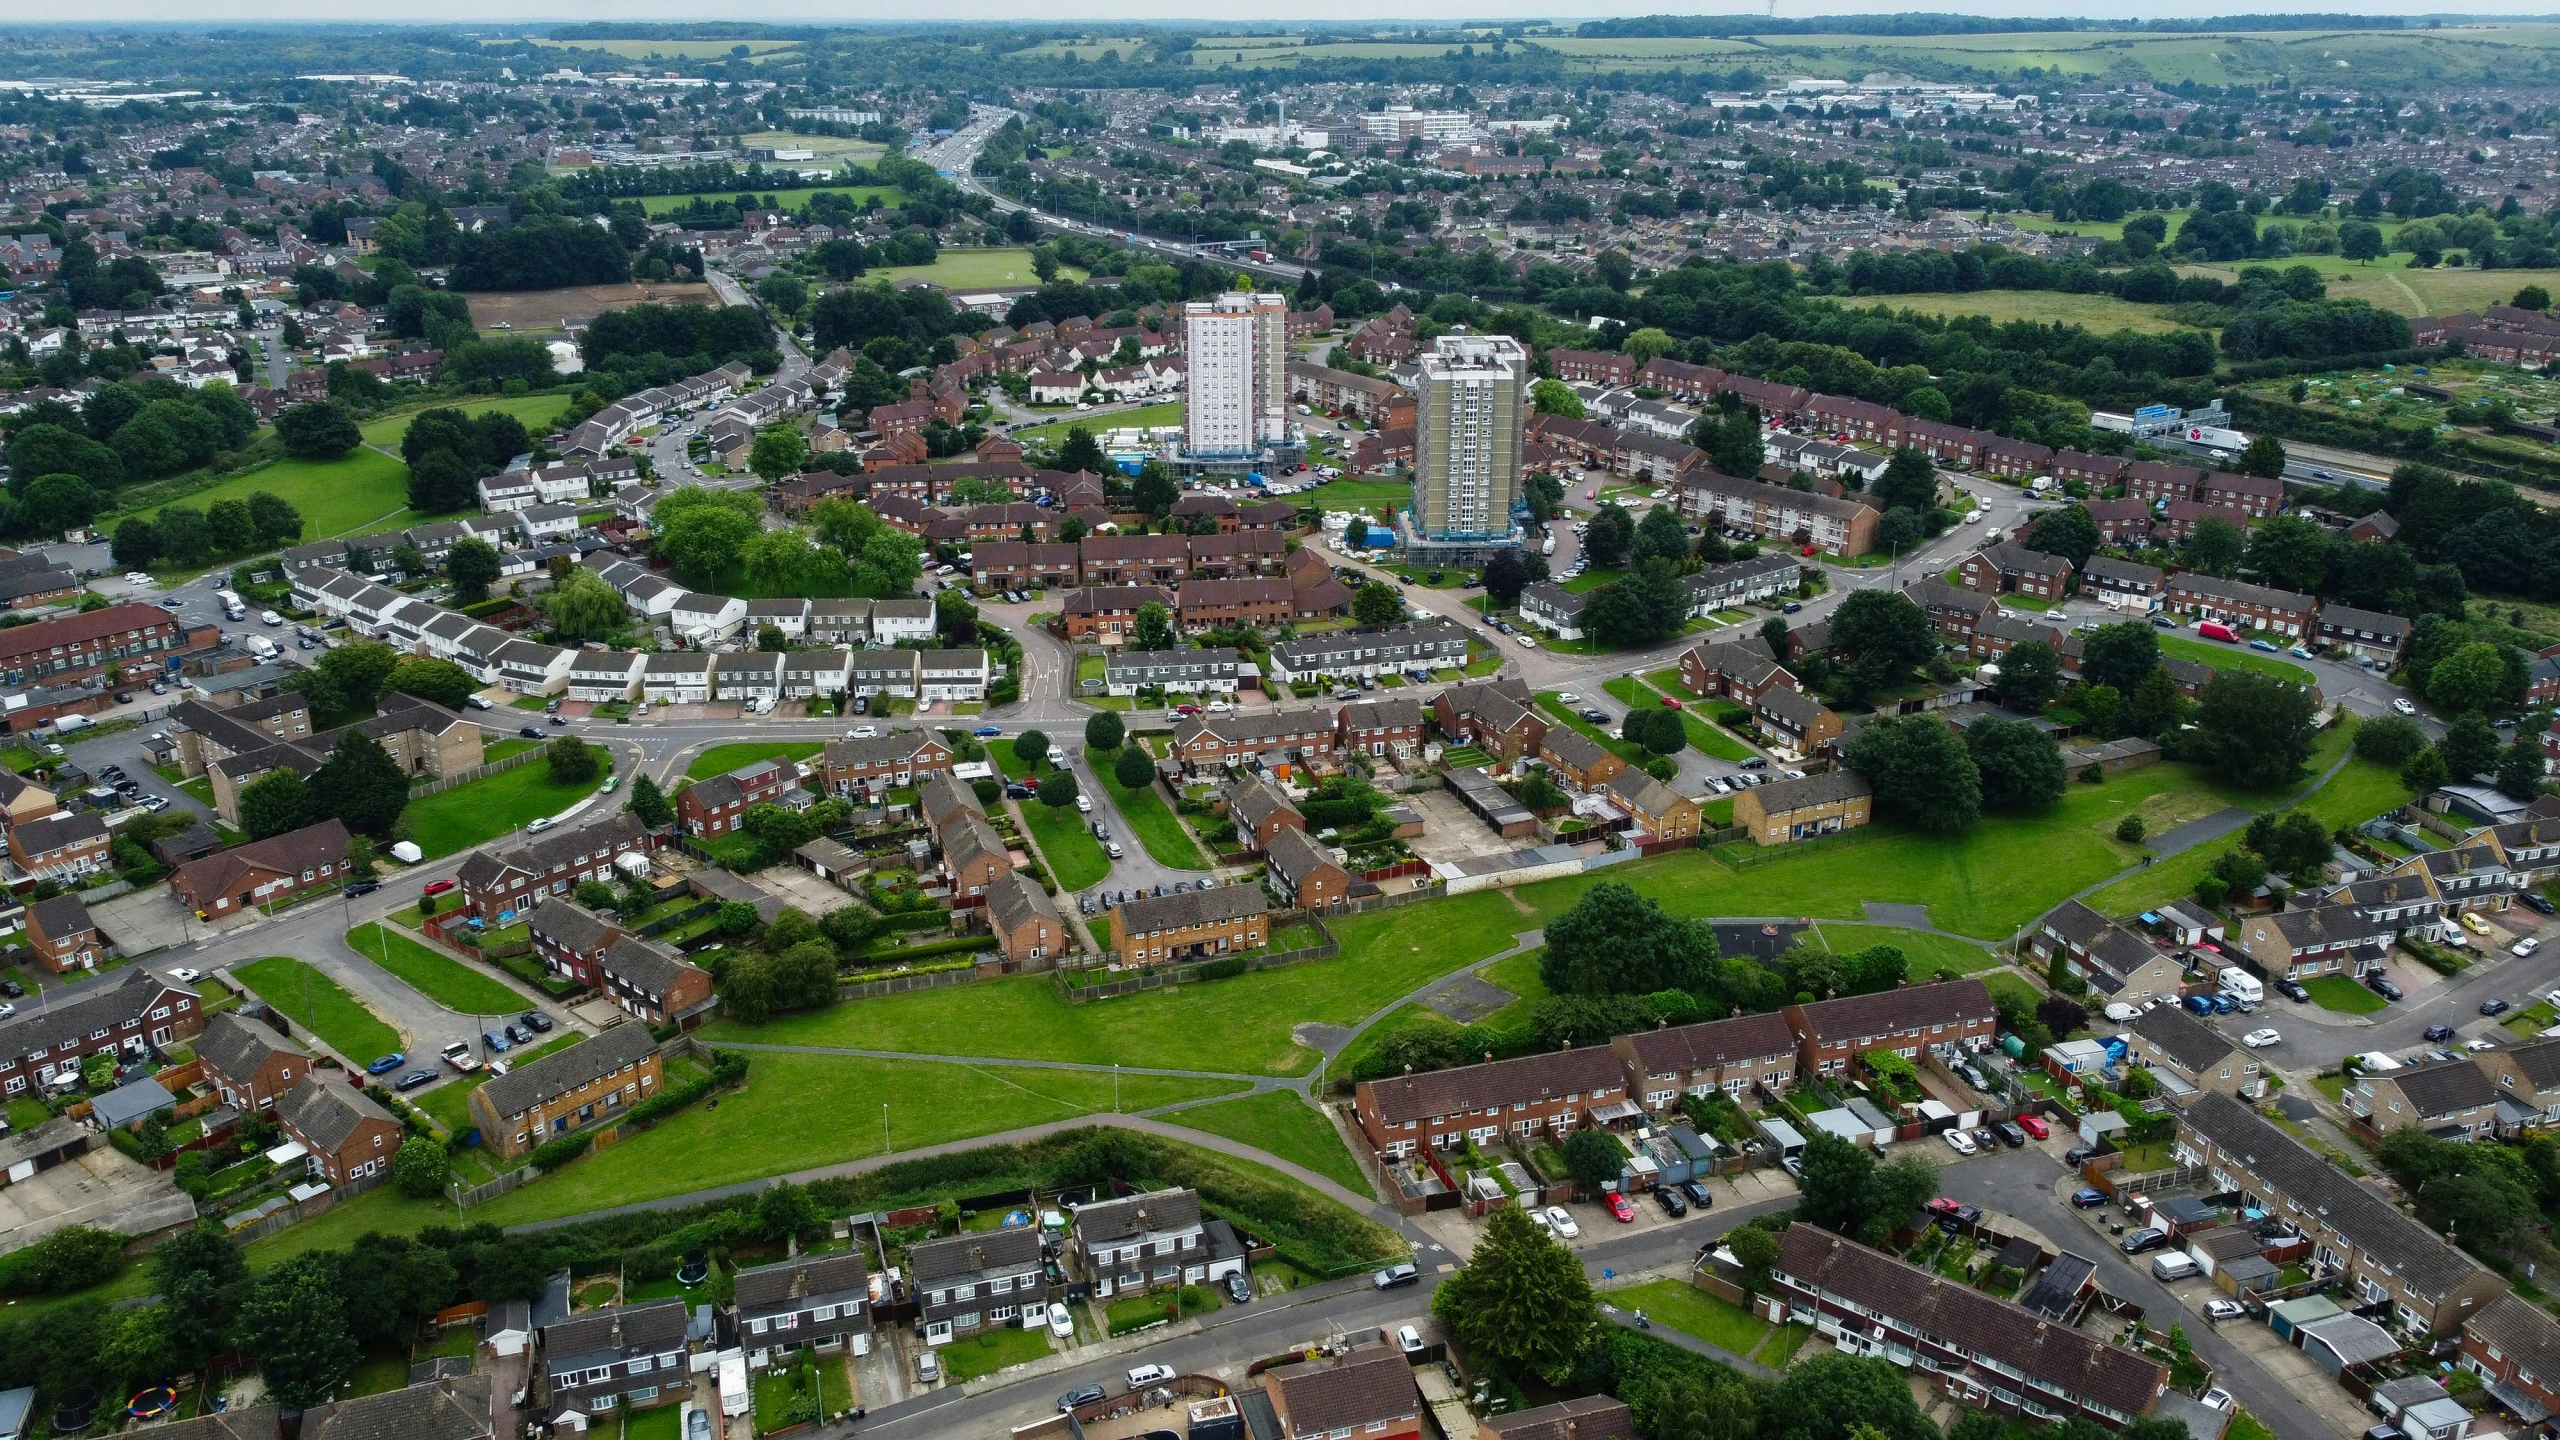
{"x":530,"y":732}
{"x":437,"y":887}
{"x":1396,"y":1275}
{"x":2438,"y":1033}
{"x":2010,"y":1135}
{"x":2079,"y":1155}
{"x":518,"y":1035}
{"x":2525,"y":946}
{"x":2532,"y":900}
{"x":1062,"y":1324}
{"x":459,"y":1056}
{"x":354,"y":887}
{"x":1671,"y":1203}
{"x":2383,"y":986}
{"x":2291,"y":989}
{"x":537,"y":1022}
{"x":2197,"y":1005}
{"x":2147,"y":1238}
{"x":987,"y":731}
{"x":2494,"y":1005}
{"x":414,"y":1079}
{"x":2086,"y":1198}
{"x":2035,"y":1125}
{"x":2261,"y":1039}
{"x":1562,"y":1220}
{"x":1082,"y":1394}
{"x":928,"y":1367}
{"x":1698,"y":1193}
{"x":1239,"y":1289}
{"x":1960,"y":1142}
{"x":387,"y":1064}
{"x":496,"y":1042}
{"x":2218,"y":1311}
{"x":1618,"y":1208}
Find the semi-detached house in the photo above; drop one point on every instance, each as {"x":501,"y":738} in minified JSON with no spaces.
{"x":1144,"y":1242}
{"x":500,"y":884}
{"x":2387,"y":1256}
{"x":1732,"y":1056}
{"x":812,"y":1301}
{"x":598,"y":1360}
{"x":985,"y":1277}
{"x":568,"y":1090}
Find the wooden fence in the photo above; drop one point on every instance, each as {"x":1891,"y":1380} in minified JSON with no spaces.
{"x":477,"y":772}
{"x":902,"y":984}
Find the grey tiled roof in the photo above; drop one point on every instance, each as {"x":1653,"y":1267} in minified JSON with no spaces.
{"x":327,"y":1114}
{"x":563,"y":1071}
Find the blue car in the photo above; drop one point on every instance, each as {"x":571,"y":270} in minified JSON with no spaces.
{"x":2267,"y":645}
{"x":387,"y":1064}
{"x":2087,"y":1199}
{"x":2224,"y":1004}
{"x":2197,"y":1005}
{"x":985,"y":731}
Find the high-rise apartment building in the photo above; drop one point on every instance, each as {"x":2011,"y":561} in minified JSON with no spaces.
{"x":1470,"y":427}
{"x":1237,"y":350}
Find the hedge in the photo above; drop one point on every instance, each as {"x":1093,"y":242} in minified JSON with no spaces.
{"x":552,"y":1154}
{"x":729,"y":1069}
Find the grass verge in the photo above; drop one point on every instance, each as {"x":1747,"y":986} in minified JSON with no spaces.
{"x":441,"y":978}
{"x":321,"y":1006}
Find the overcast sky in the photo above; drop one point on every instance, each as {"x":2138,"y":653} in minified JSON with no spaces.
{"x":515,"y":14}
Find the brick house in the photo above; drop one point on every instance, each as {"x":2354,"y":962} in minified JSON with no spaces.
{"x":2166,"y":1037}
{"x":1578,"y":760}
{"x":2098,"y":472}
{"x":62,"y":846}
{"x":1807,"y":809}
{"x":349,"y":1136}
{"x":2246,"y":606}
{"x":2124,"y":584}
{"x":1304,"y":737}
{"x":2255,"y":495}
{"x":2450,"y":1099}
{"x":63,"y":936}
{"x":2514,"y":1346}
{"x":1597,"y":367}
{"x":1225,"y":604}
{"x":1388,"y":725}
{"x":2179,"y":520}
{"x":1832,"y":1033}
{"x":811,"y":1301}
{"x":1106,"y":614}
{"x":1729,"y":1056}
{"x":974,"y":856}
{"x":718,"y":805}
{"x":1956,"y":613}
{"x":2121,"y":522}
{"x":72,"y":648}
{"x":1163,"y":929}
{"x":1305,"y":873}
{"x":2322,"y":940}
{"x":2120,"y":963}
{"x":1493,"y":715}
{"x":1025,"y":922}
{"x":2386,"y":1256}
{"x":1369,"y":1393}
{"x":1261,"y":812}
{"x":132,"y":1016}
{"x":984,"y":1277}
{"x":567,"y":1090}
{"x":1795,"y":720}
{"x":1660,"y":812}
{"x":503,"y":883}
{"x":263,"y":872}
{"x":2366,"y":634}
{"x":869,"y":768}
{"x":249,"y":1065}
{"x":1740,"y":669}
{"x":2008,"y":568}
{"x":1530,"y":1097}
{"x":2150,"y":481}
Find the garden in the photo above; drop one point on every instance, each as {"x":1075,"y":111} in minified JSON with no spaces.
{"x":993,"y":1348}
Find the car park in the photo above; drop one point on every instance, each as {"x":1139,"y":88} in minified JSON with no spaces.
{"x":2010,"y":1135}
{"x":537,"y":1022}
{"x":497,"y":1043}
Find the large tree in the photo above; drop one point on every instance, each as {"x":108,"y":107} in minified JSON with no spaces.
{"x":1639,"y":608}
{"x":1616,"y":941}
{"x":1909,"y":482}
{"x":1153,"y":627}
{"x":2119,"y":656}
{"x":2469,"y":747}
{"x":1612,"y":534}
{"x":1661,"y":535}
{"x":347,"y":682}
{"x":2021,"y":766}
{"x":703,"y":533}
{"x":1377,"y":603}
{"x":442,"y":681}
{"x":2070,"y":532}
{"x":472,"y":566}
{"x":295,"y":1322}
{"x":2030,"y":676}
{"x":1833,"y":1183}
{"x":1839,"y":1397}
{"x":2255,"y":729}
{"x":649,"y":804}
{"x":2471,"y":678}
{"x":2290,"y":552}
{"x":1920,"y":771}
{"x":583,"y":607}
{"x":1884,"y":637}
{"x":1505,"y":576}
{"x":274,"y":803}
{"x":322,"y":430}
{"x":360,"y":784}
{"x":1522,"y":1304}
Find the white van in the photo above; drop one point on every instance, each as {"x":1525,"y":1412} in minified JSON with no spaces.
{"x":261,"y":646}
{"x":2242,"y":986}
{"x":2176,"y":1265}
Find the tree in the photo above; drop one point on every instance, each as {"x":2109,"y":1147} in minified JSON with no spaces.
{"x":322,"y":430}
{"x":703,"y":533}
{"x":2070,"y":532}
{"x":274,"y":803}
{"x":2471,"y":678}
{"x":2030,"y":676}
{"x":777,"y":452}
{"x":1133,"y":768}
{"x":1640,"y":608}
{"x":2214,"y":546}
{"x":2390,"y":740}
{"x":2021,"y":767}
{"x":1058,"y":789}
{"x":1522,"y":1303}
{"x":2265,"y":458}
{"x":276,"y":519}
{"x":1909,"y":482}
{"x":1834,"y":1182}
{"x":1737,"y":449}
{"x":2360,"y":241}
{"x":2519,"y":769}
{"x":1104,"y":730}
{"x":441,"y":480}
{"x":1611,"y":535}
{"x":1658,"y":731}
{"x":347,"y":682}
{"x":787,"y":1210}
{"x":419,"y":1168}
{"x":2290,"y":551}
{"x":67,"y":502}
{"x":2255,"y":729}
{"x":583,"y":607}
{"x":1595,"y":1164}
{"x":2294,"y":843}
{"x":1377,"y":603}
{"x":1884,"y":634}
{"x":1152,"y":629}
{"x":2469,"y":746}
{"x":1554,"y":397}
{"x":573,"y":761}
{"x":1505,"y":576}
{"x":1031,"y":747}
{"x":1921,"y":773}
{"x":1615,"y":941}
{"x":472,"y":566}
{"x":295,"y":1322}
{"x":1081,"y":452}
{"x":359,"y":783}
{"x":136,"y":544}
{"x":2119,"y":656}
{"x":1840,"y":1397}
{"x":649,"y":804}
{"x":1661,"y":536}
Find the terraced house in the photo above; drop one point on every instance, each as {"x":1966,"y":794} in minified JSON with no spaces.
{"x":1832,"y":1033}
{"x":985,"y":1277}
{"x":1298,"y":737}
{"x":641,"y":978}
{"x":1985,"y":1352}
{"x":597,"y":1360}
{"x":1162,"y":929}
{"x":133,"y":1016}
{"x":1025,"y":922}
{"x":1390,"y":724}
{"x":2239,"y":603}
{"x":72,"y":648}
{"x":1530,"y":1097}
{"x":816,"y":1302}
{"x":498,"y":884}
{"x":869,"y":768}
{"x":1731,"y":1056}
{"x":1192,"y":672}
{"x":1358,"y":654}
{"x":568,"y":1090}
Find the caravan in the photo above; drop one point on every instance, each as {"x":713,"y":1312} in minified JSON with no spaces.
{"x":2242,"y":986}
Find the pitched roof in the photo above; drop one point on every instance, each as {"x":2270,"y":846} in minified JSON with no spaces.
{"x":555,"y":851}
{"x":1571,"y":747}
{"x":2520,"y":1330}
{"x":2196,"y":1046}
{"x":977,"y":1252}
{"x":1850,"y":1017}
{"x":653,"y":1326}
{"x":1015,"y":900}
{"x":1150,"y":1212}
{"x":562,"y":1071}
{"x":1712,"y":1043}
{"x":451,"y":1409}
{"x":1186,"y":908}
{"x":1530,"y":1079}
{"x":98,"y":1005}
{"x":1813,"y":790}
{"x":1369,"y":1385}
{"x":327,"y":1115}
{"x":2446,"y":1088}
{"x":237,"y":1048}
{"x":1296,"y":857}
{"x":809,"y":1279}
{"x":1587,"y":1417}
{"x":2011,"y":1335}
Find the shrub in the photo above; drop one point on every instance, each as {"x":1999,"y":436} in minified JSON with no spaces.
{"x":1226,"y":969}
{"x":552,"y":1154}
{"x":73,"y":1258}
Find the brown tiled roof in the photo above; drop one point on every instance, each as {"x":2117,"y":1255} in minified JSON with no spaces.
{"x":1530,"y":1079}
{"x":2521,"y":1331}
{"x":327,"y":1115}
{"x":978,"y":1252}
{"x":1191,"y":907}
{"x":562,"y":1071}
{"x":1589,"y":1417}
{"x":1370,"y":1384}
{"x":768,"y":1288}
{"x":1915,"y":1007}
{"x":1712,"y":1043}
{"x":237,"y":1048}
{"x":454,"y":1409}
{"x":1152,"y":1212}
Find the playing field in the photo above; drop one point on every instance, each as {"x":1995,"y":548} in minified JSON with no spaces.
{"x":787,"y":199}
{"x":361,"y":491}
{"x":673,"y":49}
{"x":2102,"y":313}
{"x":536,"y":411}
{"x":1142,"y":417}
{"x":972,"y":270}
{"x":543,"y":310}
{"x":2389,"y":283}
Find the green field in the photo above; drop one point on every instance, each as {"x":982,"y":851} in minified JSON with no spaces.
{"x":357,"y":493}
{"x":791,"y":199}
{"x":1279,"y":1123}
{"x":441,"y":978}
{"x":2233,"y":657}
{"x":2337,"y":992}
{"x":1055,"y":432}
{"x":487,"y":808}
{"x":536,"y":411}
{"x":1074,"y":856}
{"x":670,"y":49}
{"x":2102,"y":313}
{"x":1929,"y":953}
{"x":721,"y":759}
{"x":1692,"y":1311}
{"x":971,"y":270}
{"x":1156,"y":827}
{"x":319,"y":1005}
{"x":1367,"y":497}
{"x":769,"y":1128}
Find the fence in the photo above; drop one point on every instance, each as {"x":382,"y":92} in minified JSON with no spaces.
{"x":1397,"y":871}
{"x":902,"y":984}
{"x":467,"y":1196}
{"x":477,"y":772}
{"x":320,"y":1204}
{"x":1161,"y":977}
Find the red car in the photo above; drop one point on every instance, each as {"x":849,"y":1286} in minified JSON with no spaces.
{"x":1619,"y":1209}
{"x":1942,"y":1206}
{"x":1670,"y":704}
{"x":2034,"y":1125}
{"x":437,"y":887}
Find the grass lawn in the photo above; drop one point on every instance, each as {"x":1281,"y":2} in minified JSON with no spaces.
{"x":1929,"y":953}
{"x":970,"y":270}
{"x":2101,"y":313}
{"x":1364,"y":496}
{"x":721,"y":759}
{"x":1240,"y":1026}
{"x":1703,"y":737}
{"x":1626,"y":750}
{"x":2233,"y":657}
{"x":319,"y":1005}
{"x":360,"y":491}
{"x":1279,"y":1123}
{"x":791,"y":199}
{"x":1590,"y":580}
{"x":441,"y":978}
{"x":1074,"y":856}
{"x":536,"y":411}
{"x":993,"y":1348}
{"x":766,"y":1128}
{"x":2337,"y":992}
{"x":1692,"y":1311}
{"x":485,"y":809}
{"x":1135,"y":418}
{"x":658,"y":1422}
{"x":1156,"y":826}
{"x":384,"y":1210}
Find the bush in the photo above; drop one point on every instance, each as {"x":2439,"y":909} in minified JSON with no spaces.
{"x":73,"y":1258}
{"x":1226,"y":969}
{"x":550,"y":1155}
